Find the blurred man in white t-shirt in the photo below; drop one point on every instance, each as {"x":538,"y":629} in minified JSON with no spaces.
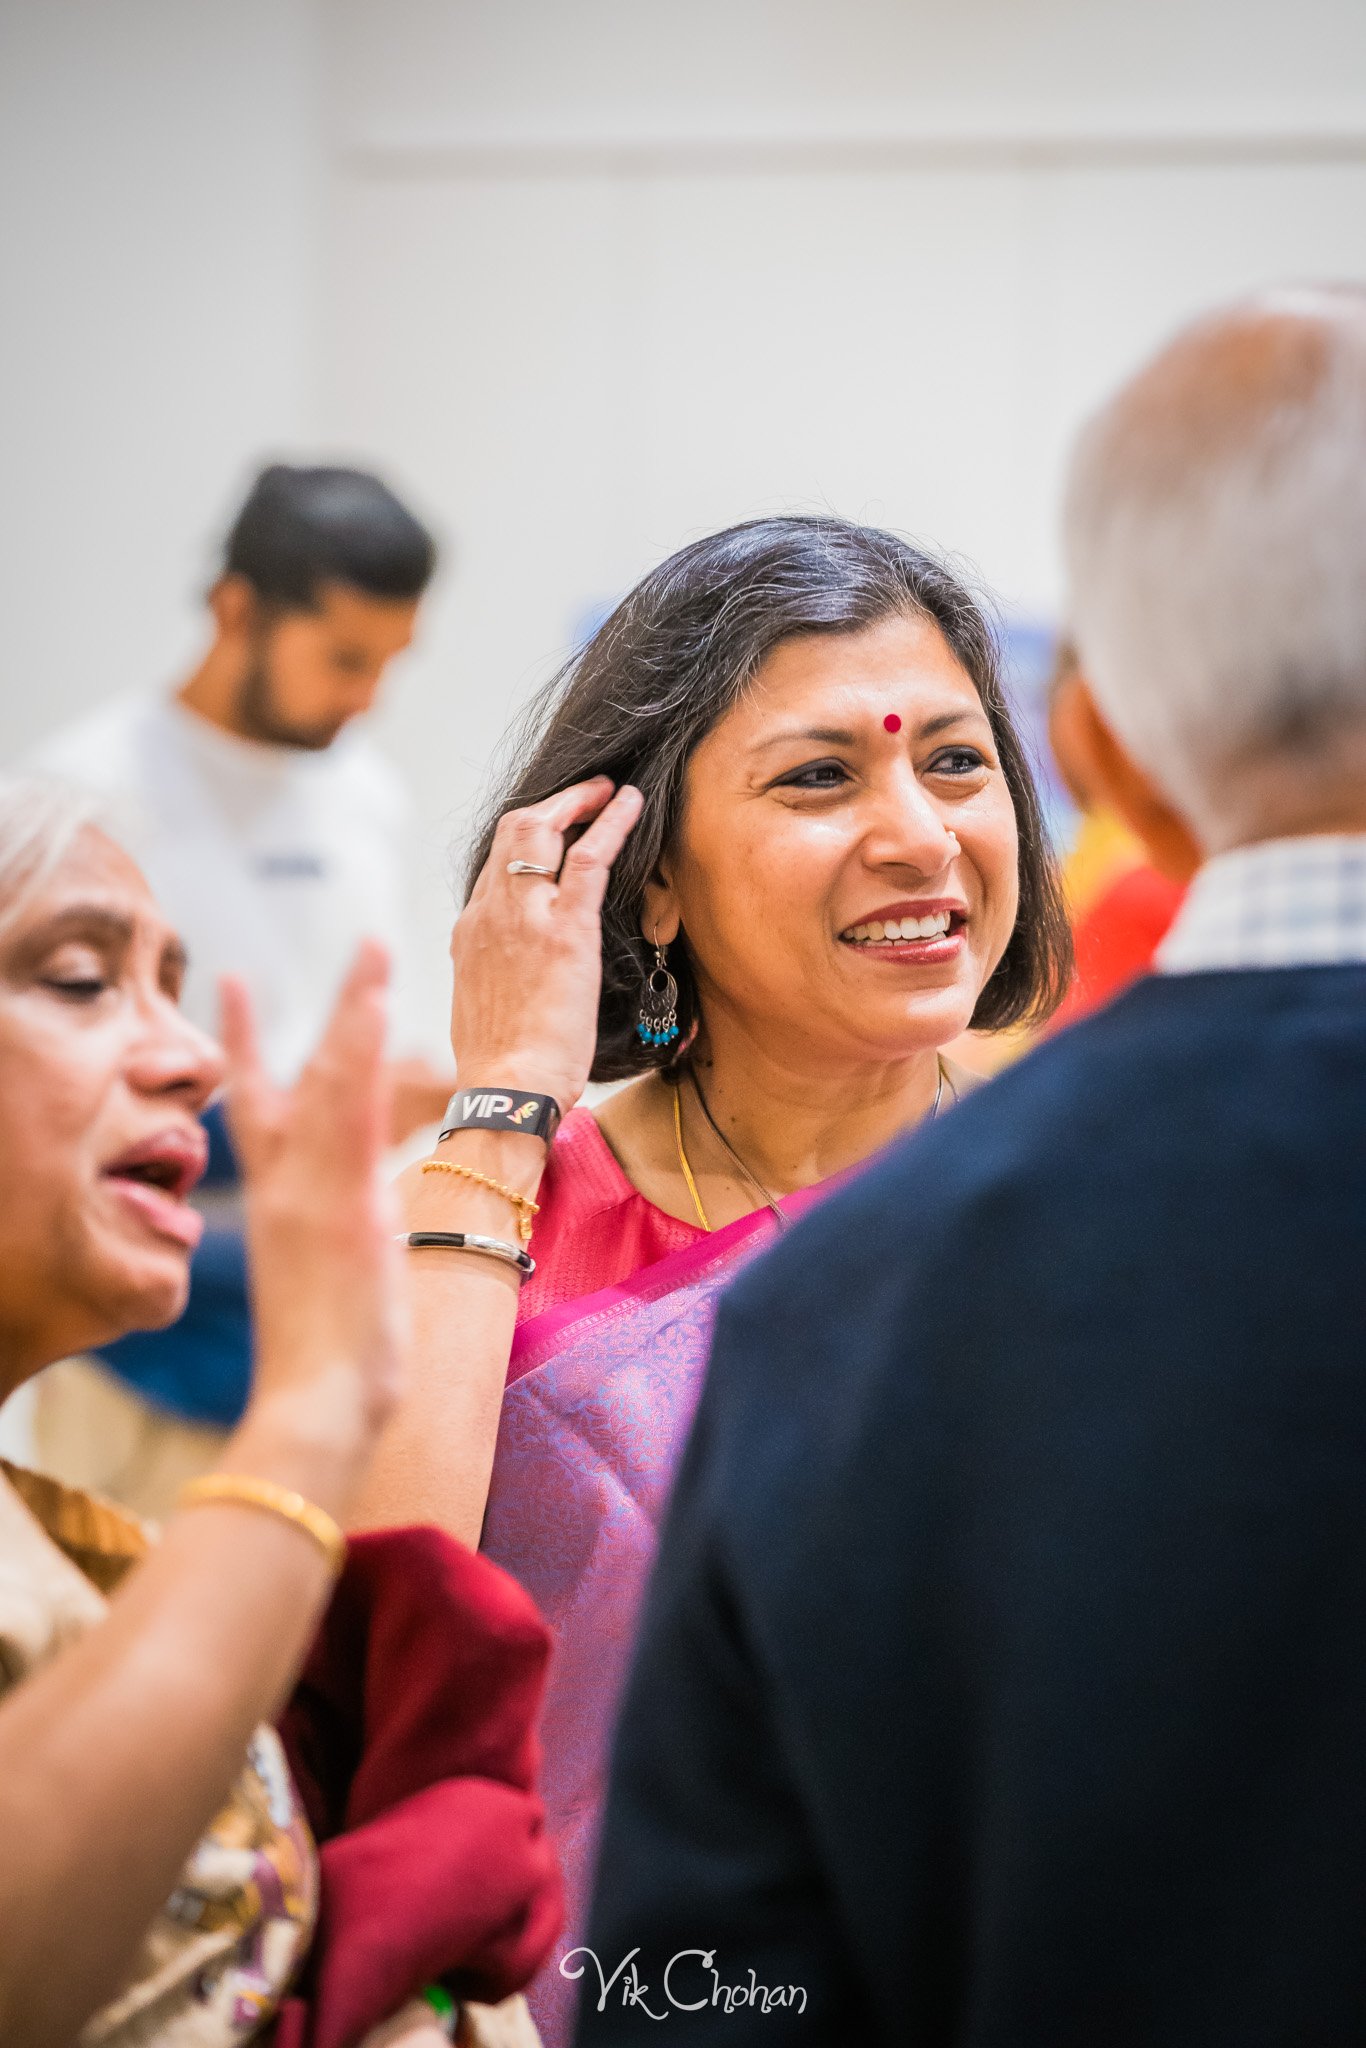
{"x":274,"y":836}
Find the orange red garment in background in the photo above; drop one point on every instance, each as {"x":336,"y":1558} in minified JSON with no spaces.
{"x":1121,"y":908}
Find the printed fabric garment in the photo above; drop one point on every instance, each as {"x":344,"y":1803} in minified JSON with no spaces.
{"x":220,"y":1955}
{"x":600,"y":1398}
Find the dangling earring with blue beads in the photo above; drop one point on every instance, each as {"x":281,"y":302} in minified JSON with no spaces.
{"x":658,"y":1023}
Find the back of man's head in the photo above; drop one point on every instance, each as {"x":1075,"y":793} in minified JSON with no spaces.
{"x":1216,"y":549}
{"x":301,"y":529}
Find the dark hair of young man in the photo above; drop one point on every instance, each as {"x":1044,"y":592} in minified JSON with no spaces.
{"x":302,"y":528}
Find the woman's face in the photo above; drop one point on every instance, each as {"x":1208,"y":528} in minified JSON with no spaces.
{"x":101,"y":1084}
{"x":846,"y":865}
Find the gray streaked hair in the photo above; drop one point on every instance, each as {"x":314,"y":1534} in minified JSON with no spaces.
{"x":40,"y":819}
{"x":1215,"y":533}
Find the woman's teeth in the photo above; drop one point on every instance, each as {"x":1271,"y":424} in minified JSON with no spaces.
{"x":900,"y":928}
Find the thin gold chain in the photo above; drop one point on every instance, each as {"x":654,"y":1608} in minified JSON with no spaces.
{"x":527,"y":1210}
{"x":752,"y":1178}
{"x":770,"y":1200}
{"x":683,"y":1159}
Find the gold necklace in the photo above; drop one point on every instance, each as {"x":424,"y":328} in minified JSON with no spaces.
{"x":683,"y":1157}
{"x":769,"y":1199}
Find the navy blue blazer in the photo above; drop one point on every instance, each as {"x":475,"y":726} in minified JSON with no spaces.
{"x":1003,"y":1678}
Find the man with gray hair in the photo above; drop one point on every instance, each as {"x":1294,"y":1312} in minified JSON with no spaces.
{"x":1003,"y":1679}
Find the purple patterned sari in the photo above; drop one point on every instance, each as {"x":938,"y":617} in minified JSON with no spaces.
{"x":600,"y":1397}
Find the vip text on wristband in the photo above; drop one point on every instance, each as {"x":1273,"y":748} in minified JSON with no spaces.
{"x":501,"y":1109}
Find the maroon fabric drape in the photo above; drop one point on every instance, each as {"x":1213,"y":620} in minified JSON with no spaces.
{"x":411,"y":1736}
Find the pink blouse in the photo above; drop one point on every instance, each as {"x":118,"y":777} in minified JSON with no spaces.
{"x":594,"y":1228}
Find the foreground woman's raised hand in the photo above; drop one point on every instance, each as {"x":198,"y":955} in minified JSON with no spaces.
{"x":321,"y":1221}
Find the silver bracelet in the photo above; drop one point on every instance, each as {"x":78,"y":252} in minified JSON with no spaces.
{"x":467,"y":1241}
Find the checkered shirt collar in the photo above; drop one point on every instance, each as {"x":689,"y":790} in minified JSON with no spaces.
{"x":1283,"y":903}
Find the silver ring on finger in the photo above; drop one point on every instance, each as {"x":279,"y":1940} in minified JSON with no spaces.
{"x":529,"y":867}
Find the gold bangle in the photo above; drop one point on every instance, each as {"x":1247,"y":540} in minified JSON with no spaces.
{"x":527,"y":1210}
{"x":236,"y":1490}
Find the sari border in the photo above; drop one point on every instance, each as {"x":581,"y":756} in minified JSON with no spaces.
{"x":535,"y":1341}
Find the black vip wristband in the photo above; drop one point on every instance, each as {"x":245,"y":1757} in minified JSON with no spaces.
{"x":501,"y":1109}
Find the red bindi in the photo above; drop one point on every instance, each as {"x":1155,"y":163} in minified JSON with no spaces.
{"x":891,"y":723}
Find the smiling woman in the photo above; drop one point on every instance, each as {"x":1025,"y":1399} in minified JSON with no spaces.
{"x":823,"y":860}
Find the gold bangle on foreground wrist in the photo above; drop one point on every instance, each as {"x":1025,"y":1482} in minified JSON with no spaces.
{"x":527,"y":1210}
{"x":234,"y":1489}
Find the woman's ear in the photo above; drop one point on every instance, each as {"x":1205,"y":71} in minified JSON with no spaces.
{"x":659,"y":913}
{"x":1119,"y":781}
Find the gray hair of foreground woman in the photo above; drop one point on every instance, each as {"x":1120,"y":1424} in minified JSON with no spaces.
{"x":672,"y":660}
{"x":39,"y":822}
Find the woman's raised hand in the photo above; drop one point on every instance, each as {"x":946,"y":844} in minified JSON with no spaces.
{"x":325,"y":1272}
{"x":527,"y":949}
{"x":527,"y":953}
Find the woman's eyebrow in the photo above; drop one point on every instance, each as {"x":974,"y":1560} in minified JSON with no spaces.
{"x":98,"y":924}
{"x":968,"y":712}
{"x":842,"y":736}
{"x":93,"y":921}
{"x":112,"y":930}
{"x":828,"y":735}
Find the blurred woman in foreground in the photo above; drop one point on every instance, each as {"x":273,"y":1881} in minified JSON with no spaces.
{"x":125,"y":1726}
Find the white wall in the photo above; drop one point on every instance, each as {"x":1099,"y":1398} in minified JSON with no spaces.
{"x":589,"y":278}
{"x":159,"y":169}
{"x":160,"y":166}
{"x":606,"y":275}
{"x":607,"y":73}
